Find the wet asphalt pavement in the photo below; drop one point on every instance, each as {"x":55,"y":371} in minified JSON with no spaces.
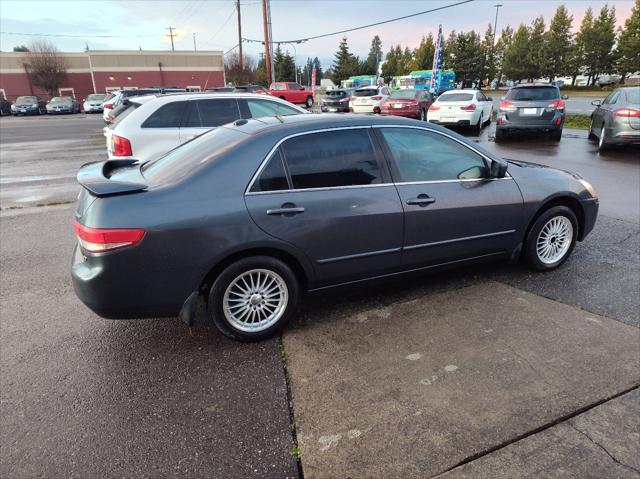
{"x":86,"y":397}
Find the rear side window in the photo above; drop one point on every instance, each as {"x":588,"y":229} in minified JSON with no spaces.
{"x":272,"y":177}
{"x":420,"y":155}
{"x":538,"y":93}
{"x":212,"y":113}
{"x":332,"y":158}
{"x":259,"y":108}
{"x":167,"y":116}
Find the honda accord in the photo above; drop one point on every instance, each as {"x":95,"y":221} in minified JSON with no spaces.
{"x":253,"y":214}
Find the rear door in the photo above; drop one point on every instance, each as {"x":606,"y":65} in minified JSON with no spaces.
{"x":328,"y":193}
{"x":205,"y":114}
{"x":453,"y":211}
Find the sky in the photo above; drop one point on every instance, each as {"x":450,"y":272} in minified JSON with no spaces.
{"x":134,"y":24}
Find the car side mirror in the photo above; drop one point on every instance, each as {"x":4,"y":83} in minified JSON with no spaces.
{"x":498,"y":168}
{"x":565,"y":97}
{"x":596,"y":102}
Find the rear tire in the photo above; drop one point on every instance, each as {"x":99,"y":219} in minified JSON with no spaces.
{"x":423,"y":115}
{"x":556,"y":135}
{"x":602,"y":141}
{"x":551,"y":238}
{"x":253,"y":298}
{"x":477,"y":128}
{"x":501,"y":135}
{"x":591,"y":134}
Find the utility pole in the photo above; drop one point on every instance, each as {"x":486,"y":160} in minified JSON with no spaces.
{"x":240,"y":37}
{"x":171,"y":35}
{"x":267,"y":42}
{"x":495,"y":24}
{"x":194,"y":42}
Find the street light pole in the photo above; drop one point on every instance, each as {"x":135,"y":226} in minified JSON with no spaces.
{"x":495,"y":24}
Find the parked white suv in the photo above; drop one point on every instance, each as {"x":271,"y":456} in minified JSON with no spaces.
{"x":149,"y":130}
{"x":469,"y":108}
{"x":368,"y":99}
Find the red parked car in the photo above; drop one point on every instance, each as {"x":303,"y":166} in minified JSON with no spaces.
{"x":292,"y":92}
{"x":409,"y":103}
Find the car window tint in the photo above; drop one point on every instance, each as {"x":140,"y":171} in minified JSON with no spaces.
{"x":212,"y":113}
{"x":272,"y":177}
{"x":536,"y":93}
{"x":611,"y":98}
{"x":259,"y":108}
{"x":332,"y":158}
{"x":420,"y":155}
{"x":167,"y":116}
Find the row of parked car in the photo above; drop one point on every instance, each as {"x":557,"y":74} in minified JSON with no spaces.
{"x":36,"y":105}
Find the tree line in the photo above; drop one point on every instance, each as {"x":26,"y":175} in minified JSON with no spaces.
{"x":529,"y":52}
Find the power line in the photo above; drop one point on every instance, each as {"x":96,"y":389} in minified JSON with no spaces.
{"x":224,"y":24}
{"x":300,"y":40}
{"x":60,"y":35}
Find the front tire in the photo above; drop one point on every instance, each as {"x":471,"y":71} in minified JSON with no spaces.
{"x":253,"y":298}
{"x":551,"y":238}
{"x":308,"y":102}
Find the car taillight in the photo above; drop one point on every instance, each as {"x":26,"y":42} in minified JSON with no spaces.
{"x":108,"y":106}
{"x":433,"y":107}
{"x":120,"y":146}
{"x":507,"y":106}
{"x":627,"y":112}
{"x":412,"y":103}
{"x":376,"y":98}
{"x":99,"y":240}
{"x":110,"y":119}
{"x":469,"y":107}
{"x":558,"y":105}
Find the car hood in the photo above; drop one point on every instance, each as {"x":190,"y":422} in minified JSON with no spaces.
{"x":543,"y":169}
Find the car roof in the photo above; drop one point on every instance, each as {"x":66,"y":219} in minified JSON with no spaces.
{"x":462,"y":90}
{"x":534,"y":85}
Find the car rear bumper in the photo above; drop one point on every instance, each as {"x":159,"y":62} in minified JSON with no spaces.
{"x":335,"y":108}
{"x":403,"y":113}
{"x":106,"y":285}
{"x":364,"y":108}
{"x":519,"y":124}
{"x":623,"y":136}
{"x":451,"y":123}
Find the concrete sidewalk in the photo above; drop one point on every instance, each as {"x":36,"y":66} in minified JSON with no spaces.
{"x":415,"y":388}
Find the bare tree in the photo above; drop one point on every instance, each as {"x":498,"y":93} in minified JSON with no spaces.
{"x":46,"y":67}
{"x":236,"y":75}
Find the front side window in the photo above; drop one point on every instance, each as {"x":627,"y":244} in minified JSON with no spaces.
{"x":611,"y":98}
{"x":272,"y":177}
{"x":260,"y":108}
{"x":167,"y":116}
{"x":332,"y":158}
{"x":420,"y":155}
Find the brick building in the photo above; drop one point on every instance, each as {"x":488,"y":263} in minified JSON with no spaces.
{"x":103,"y":71}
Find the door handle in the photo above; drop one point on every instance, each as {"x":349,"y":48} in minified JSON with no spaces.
{"x":421,"y":200}
{"x":286,"y":210}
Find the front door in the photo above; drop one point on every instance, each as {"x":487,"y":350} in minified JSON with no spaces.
{"x":453,"y":211}
{"x":328,"y":193}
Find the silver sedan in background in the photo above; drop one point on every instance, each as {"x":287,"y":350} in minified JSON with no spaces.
{"x":616,"y":119}
{"x":62,"y":104}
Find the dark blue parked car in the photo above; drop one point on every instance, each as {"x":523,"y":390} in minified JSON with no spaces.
{"x":251,"y":215}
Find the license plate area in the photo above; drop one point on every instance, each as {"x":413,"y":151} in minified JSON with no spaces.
{"x":529,"y":111}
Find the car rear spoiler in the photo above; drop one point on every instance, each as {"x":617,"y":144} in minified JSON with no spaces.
{"x":111,"y":177}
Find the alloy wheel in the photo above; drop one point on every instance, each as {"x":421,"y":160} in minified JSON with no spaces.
{"x":255,"y":300}
{"x":554,"y":240}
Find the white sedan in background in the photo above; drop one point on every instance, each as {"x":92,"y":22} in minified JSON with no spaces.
{"x":368,"y":99}
{"x":469,"y":108}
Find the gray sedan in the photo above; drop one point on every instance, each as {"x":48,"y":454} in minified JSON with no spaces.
{"x":62,"y":104}
{"x":616,"y":120}
{"x":249,"y":216}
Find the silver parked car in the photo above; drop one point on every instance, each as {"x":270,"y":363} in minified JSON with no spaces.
{"x":62,"y":104}
{"x":616,"y":119}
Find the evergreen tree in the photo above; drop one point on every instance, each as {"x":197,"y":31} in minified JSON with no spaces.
{"x":370,"y":65}
{"x":423,"y":55}
{"x":600,"y":58}
{"x":261,"y":73}
{"x":628,"y":60}
{"x":535,"y":58}
{"x":489,"y":55}
{"x":462,"y":56}
{"x":514,"y":63}
{"x":406,"y":62}
{"x":390,"y":66}
{"x":284,"y":66}
{"x":501,"y":45}
{"x":345,"y":63}
{"x":557,"y":45}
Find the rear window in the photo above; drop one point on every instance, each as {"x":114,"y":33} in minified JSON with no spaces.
{"x":366,"y":92}
{"x":410,"y":94}
{"x":537,"y":93}
{"x":182,"y":160}
{"x":337,"y":93}
{"x":456,"y":97}
{"x":120,"y":112}
{"x":633,"y":95}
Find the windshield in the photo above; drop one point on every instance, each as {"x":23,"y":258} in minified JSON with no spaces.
{"x":366,"y":92}
{"x":61,"y":99}
{"x":96,"y":97}
{"x":408,"y":94}
{"x":421,"y":81}
{"x":537,"y":93}
{"x":26,"y":100}
{"x":455,"y":97}
{"x":190,"y":155}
